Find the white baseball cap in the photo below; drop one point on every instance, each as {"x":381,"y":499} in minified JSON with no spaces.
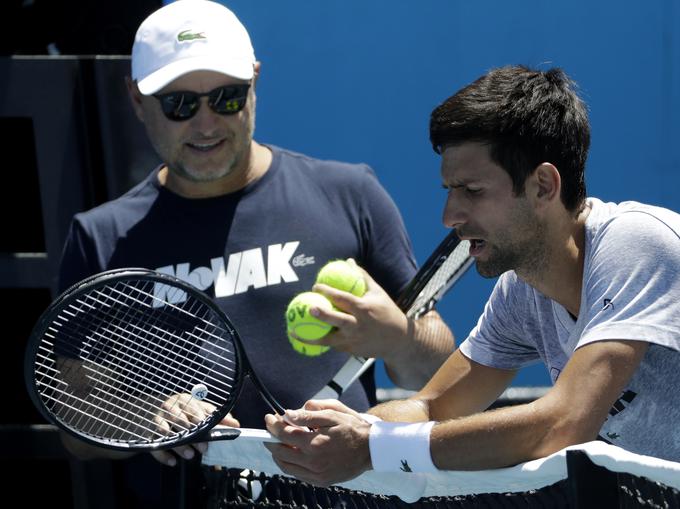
{"x":186,"y":36}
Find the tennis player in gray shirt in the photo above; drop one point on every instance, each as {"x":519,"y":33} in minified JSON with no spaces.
{"x":591,"y":289}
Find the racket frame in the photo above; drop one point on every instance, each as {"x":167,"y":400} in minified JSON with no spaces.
{"x":203,"y":429}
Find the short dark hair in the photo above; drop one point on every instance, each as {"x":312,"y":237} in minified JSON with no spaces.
{"x":527,"y":117}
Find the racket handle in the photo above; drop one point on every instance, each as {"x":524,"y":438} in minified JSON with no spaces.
{"x":354,"y":367}
{"x":229,"y":433}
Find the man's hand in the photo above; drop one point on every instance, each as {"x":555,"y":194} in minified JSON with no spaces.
{"x":323,"y":443}
{"x":367,"y":326}
{"x":184,"y":410}
{"x":374,"y":326}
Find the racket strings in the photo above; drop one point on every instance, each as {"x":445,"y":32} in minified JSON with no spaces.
{"x":147,"y":357}
{"x":97,"y":408}
{"x":152,"y":340}
{"x":453,"y":266}
{"x":113,"y":339}
{"x":110,"y":391}
{"x":206,"y":317}
{"x":105,"y":394}
{"x":84,"y":414}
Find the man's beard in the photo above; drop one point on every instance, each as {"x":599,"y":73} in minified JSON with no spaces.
{"x":526,"y":255}
{"x":498,"y":262}
{"x":238,"y":154}
{"x":205,"y":176}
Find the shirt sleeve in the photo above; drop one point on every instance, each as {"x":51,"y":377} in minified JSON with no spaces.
{"x":502,"y":337}
{"x":79,"y":258}
{"x":630,"y":280}
{"x":388,"y":251}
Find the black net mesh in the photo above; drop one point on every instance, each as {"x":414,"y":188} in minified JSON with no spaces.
{"x":637,"y":491}
{"x":235,"y":489}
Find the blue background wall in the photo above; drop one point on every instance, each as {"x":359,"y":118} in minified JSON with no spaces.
{"x":356,"y":80}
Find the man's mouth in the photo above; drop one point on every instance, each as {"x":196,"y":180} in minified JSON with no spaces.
{"x":204,"y":147}
{"x":476,"y":246}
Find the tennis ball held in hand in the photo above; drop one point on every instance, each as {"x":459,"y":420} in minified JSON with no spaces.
{"x":306,"y":326}
{"x":344,"y":276}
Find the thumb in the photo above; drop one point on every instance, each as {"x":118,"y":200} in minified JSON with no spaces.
{"x":312,"y":419}
{"x":328,"y":404}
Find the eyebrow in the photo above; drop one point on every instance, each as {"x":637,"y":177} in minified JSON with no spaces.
{"x":457,"y":183}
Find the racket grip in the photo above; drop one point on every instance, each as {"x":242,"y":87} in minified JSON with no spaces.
{"x":229,"y":433}
{"x":354,"y":367}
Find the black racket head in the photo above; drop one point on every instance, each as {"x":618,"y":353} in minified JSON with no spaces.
{"x":447,"y":263}
{"x":107,"y":357}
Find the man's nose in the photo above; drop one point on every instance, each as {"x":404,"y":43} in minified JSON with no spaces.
{"x":206,"y":121}
{"x":453,"y":215}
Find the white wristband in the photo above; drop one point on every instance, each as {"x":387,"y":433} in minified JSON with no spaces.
{"x":370,"y":418}
{"x":399,"y":446}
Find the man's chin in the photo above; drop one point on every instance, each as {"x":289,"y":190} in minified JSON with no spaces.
{"x":203,"y":176}
{"x":488,"y":270}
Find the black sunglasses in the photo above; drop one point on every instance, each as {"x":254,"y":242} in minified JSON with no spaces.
{"x":226,"y":100}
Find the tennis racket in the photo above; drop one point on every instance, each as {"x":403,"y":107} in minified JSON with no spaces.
{"x":447,"y":263}
{"x":133,"y":359}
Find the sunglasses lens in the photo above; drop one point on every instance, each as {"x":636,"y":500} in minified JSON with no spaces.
{"x":223,"y":100}
{"x":229,"y":100}
{"x":179,"y":106}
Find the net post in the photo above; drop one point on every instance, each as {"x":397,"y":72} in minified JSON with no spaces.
{"x":590,"y":486}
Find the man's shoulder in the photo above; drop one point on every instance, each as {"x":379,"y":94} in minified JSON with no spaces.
{"x":631,"y":221}
{"x":134,"y":202}
{"x":317,"y":168}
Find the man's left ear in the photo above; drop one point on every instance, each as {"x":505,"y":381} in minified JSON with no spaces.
{"x":547,"y":183}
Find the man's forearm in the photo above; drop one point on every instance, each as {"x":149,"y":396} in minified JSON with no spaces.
{"x":417,"y":359}
{"x":84,"y":451}
{"x":492,"y":439}
{"x":405,"y":410}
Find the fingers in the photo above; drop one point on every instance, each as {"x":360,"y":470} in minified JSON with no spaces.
{"x":344,"y":301}
{"x":182,"y":411}
{"x":335,"y":449}
{"x":303,"y":420}
{"x":370,"y":282}
{"x":343,"y":324}
{"x":169,"y":457}
{"x":177,"y":413}
{"x":285,"y":431}
{"x":329,"y":404}
{"x":295,"y":463}
{"x":230,"y":420}
{"x":165,"y":458}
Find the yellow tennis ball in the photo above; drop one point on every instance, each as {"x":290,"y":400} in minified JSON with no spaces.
{"x":344,"y":276}
{"x":306,"y":326}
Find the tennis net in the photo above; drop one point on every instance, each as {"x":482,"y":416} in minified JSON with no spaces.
{"x":592,"y":475}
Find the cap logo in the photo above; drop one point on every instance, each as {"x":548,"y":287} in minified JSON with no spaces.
{"x":188,"y":35}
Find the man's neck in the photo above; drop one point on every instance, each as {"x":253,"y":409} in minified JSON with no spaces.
{"x":251,"y":169}
{"x":561,"y":277}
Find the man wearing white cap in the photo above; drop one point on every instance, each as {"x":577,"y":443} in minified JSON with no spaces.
{"x":251,"y":224}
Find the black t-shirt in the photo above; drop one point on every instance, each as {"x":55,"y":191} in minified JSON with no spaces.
{"x":253,"y":250}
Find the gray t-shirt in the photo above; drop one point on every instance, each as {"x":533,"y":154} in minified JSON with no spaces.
{"x":631,"y":291}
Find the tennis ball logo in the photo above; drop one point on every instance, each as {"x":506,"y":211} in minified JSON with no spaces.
{"x":199,"y":391}
{"x":344,"y":276}
{"x":306,"y":326}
